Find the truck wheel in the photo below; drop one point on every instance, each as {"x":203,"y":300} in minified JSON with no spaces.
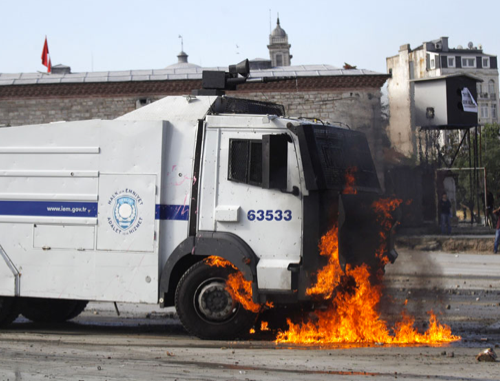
{"x":42,"y":310}
{"x":79,"y":308}
{"x":8,"y":310}
{"x":204,"y":306}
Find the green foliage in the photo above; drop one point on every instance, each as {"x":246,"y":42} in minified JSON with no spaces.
{"x":491,"y":158}
{"x":489,"y":152}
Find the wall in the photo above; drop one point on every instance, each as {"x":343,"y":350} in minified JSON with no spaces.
{"x":400,"y":130}
{"x":15,"y":112}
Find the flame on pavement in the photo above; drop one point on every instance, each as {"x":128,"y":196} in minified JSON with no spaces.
{"x":352,"y":315}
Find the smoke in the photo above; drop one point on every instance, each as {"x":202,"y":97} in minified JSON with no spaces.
{"x":414,"y":282}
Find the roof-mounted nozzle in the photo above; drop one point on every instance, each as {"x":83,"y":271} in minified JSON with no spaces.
{"x":242,"y":68}
{"x":216,"y":82}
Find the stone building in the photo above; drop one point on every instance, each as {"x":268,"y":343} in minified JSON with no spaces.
{"x":318,"y":91}
{"x":430,"y":60}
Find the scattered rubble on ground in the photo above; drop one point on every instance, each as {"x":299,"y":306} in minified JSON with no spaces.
{"x":487,"y":355}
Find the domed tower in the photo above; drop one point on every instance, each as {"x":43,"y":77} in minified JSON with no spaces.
{"x":279,"y":48}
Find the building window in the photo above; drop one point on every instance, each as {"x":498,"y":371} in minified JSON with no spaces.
{"x":245,"y":161}
{"x":468,"y":62}
{"x":491,"y":87}
{"x":486,"y":62}
{"x":279,"y":60}
{"x":493,"y":111}
{"x":484,"y":111}
{"x":433,"y":63}
{"x":451,"y":61}
{"x":479,"y":89}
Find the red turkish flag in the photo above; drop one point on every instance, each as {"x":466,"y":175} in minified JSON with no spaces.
{"x":45,"y":54}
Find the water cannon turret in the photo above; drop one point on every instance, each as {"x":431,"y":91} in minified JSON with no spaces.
{"x":217,"y":82}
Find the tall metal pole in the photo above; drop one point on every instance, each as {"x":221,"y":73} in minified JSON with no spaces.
{"x":476,"y":172}
{"x":471,"y":197}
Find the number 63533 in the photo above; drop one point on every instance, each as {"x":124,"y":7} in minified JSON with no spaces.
{"x":269,"y":215}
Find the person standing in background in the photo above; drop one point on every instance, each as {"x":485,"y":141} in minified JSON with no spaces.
{"x":496,"y":212}
{"x":445,"y":211}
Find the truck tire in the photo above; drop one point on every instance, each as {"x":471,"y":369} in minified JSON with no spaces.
{"x":42,"y":310}
{"x":206,"y":309}
{"x":8,"y":310}
{"x":79,"y":308}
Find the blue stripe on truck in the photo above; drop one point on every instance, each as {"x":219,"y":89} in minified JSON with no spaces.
{"x":48,"y":208}
{"x":80,"y":209}
{"x":172,"y":212}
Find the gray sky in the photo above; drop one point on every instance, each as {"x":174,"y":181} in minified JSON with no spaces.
{"x":125,"y":35}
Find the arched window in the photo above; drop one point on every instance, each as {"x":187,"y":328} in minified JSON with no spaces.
{"x":491,"y":86}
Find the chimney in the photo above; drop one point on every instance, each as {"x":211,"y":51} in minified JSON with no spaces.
{"x":404,"y":47}
{"x":61,"y":69}
{"x":444,"y":41}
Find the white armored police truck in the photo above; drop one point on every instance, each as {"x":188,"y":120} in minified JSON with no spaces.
{"x":126,"y":210}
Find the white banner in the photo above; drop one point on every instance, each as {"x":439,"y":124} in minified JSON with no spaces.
{"x":468,"y":101}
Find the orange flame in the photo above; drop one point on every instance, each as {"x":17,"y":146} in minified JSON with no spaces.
{"x":329,"y":276}
{"x":384,"y":207}
{"x":350,"y":180}
{"x":352,"y":316}
{"x":238,"y":287}
{"x":218,"y":262}
{"x":264,"y":326}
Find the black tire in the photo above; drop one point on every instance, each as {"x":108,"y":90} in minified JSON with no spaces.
{"x":222,"y":319}
{"x":8,"y":310}
{"x":42,"y":310}
{"x":79,"y":308}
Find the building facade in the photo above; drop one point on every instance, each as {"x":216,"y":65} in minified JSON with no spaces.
{"x":431,"y":60}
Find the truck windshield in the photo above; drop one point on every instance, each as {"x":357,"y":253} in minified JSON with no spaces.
{"x":329,"y":152}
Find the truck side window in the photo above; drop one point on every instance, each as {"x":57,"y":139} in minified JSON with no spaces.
{"x":245,"y":161}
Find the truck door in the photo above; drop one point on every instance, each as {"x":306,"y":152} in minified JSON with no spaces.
{"x":268,"y":220}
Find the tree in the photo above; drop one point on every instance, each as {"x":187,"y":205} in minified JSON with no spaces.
{"x":491,"y":158}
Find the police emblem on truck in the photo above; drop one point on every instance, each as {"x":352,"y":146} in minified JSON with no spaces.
{"x":125,"y":211}
{"x":126,"y":219}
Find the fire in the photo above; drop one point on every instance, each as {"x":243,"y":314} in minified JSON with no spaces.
{"x":383,"y":208}
{"x":218,"y":262}
{"x":264,"y":326}
{"x":329,"y":276}
{"x":238,"y":287}
{"x":352,"y":316}
{"x":350,"y":180}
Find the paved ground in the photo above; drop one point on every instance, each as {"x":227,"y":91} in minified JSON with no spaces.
{"x":146,"y":343}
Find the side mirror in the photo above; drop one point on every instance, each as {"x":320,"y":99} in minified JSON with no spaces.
{"x":275,"y":161}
